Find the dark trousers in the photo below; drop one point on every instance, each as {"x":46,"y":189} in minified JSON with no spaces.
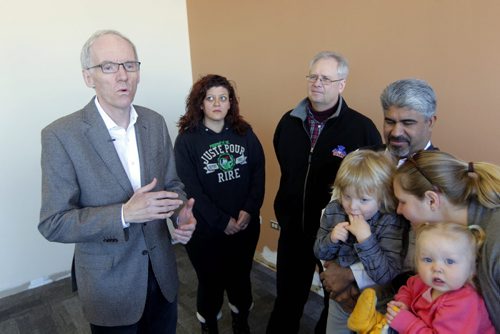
{"x":223,"y":263}
{"x":159,"y":316}
{"x":295,"y":268}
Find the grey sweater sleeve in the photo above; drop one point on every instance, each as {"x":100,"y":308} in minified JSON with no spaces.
{"x":380,"y":254}
{"x":324,"y":247}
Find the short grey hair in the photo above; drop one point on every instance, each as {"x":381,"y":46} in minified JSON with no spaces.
{"x":343,"y":65}
{"x":85,"y":56}
{"x":413,"y":94}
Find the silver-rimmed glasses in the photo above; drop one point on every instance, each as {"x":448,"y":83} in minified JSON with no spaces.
{"x":312,"y":78}
{"x":110,"y":67}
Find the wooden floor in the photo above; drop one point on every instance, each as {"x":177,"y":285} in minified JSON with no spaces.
{"x":53,"y":308}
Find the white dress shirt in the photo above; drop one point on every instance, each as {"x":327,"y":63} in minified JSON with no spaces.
{"x":125,"y":143}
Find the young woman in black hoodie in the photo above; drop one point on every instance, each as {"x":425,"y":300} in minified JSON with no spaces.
{"x":221,"y":162}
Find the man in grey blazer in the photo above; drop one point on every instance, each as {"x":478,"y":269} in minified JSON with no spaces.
{"x":109,"y":185}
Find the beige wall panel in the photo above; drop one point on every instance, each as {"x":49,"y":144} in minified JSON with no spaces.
{"x":265,"y":47}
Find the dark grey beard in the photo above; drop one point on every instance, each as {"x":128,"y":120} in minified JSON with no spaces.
{"x":399,"y":152}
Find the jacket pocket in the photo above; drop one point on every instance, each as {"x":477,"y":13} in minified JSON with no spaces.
{"x":92,"y":261}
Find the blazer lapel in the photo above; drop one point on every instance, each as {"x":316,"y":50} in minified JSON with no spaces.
{"x":143,"y":146}
{"x":100,"y":139}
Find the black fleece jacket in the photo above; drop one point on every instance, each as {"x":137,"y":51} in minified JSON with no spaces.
{"x":307,"y":174}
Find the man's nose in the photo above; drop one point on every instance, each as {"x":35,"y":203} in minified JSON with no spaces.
{"x":318,"y":83}
{"x":121,"y":71}
{"x":397,"y":129}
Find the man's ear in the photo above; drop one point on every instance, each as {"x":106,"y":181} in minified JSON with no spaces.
{"x":342,"y":86}
{"x":432,"y":121}
{"x":89,"y":81}
{"x":432,"y":199}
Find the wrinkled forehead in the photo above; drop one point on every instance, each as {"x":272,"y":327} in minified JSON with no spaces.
{"x":403,"y":114}
{"x":325,"y":66}
{"x":112,"y":48}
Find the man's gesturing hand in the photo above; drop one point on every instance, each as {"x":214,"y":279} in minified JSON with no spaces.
{"x":146,"y":205}
{"x":186,"y":223}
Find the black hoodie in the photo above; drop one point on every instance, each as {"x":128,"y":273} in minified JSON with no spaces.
{"x":224,"y":172}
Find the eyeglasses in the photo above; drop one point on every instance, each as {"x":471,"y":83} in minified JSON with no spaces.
{"x":110,"y":67}
{"x":312,"y":78}
{"x":415,"y":164}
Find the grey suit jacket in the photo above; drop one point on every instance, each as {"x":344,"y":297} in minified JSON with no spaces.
{"x":83,"y":188}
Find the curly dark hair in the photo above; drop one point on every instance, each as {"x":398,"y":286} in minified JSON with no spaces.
{"x":194,"y":114}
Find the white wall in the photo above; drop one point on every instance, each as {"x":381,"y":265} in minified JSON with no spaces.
{"x":40,"y":81}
